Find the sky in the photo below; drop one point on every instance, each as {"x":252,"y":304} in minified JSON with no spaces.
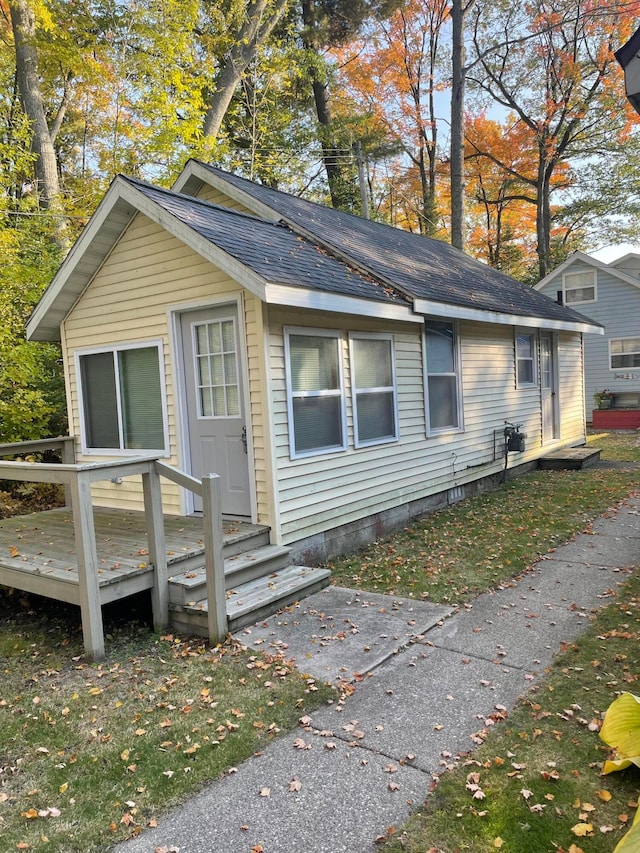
{"x":611,"y":253}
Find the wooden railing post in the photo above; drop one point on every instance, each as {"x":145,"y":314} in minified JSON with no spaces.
{"x":87,"y":558}
{"x":157,"y":547}
{"x":68,"y":457}
{"x":214,"y":563}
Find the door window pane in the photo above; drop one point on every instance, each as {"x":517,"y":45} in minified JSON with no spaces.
{"x":216,"y":369}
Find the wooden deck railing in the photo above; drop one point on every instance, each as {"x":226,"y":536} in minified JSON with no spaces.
{"x":77,"y":480}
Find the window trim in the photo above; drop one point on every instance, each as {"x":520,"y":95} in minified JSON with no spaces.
{"x":338,"y":336}
{"x":457,"y":356}
{"x":565,"y":287}
{"x":114,"y":350}
{"x":623,"y":338}
{"x":355,"y":392}
{"x":534,"y":357}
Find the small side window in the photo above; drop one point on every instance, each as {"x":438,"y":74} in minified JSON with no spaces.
{"x":525,"y":359}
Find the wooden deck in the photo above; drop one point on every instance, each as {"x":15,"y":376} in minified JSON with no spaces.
{"x":38,"y":551}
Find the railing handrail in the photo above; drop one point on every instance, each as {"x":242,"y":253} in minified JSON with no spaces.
{"x":36,"y":445}
{"x":60,"y":472}
{"x":77,"y":478}
{"x":179,"y":477}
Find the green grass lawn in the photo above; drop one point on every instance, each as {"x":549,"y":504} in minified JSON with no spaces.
{"x":455,"y":554}
{"x":534,"y":786}
{"x":91,"y":753}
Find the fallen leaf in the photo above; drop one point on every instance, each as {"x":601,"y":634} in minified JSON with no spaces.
{"x":265,"y":792}
{"x":295,"y":785}
{"x":582,"y":829}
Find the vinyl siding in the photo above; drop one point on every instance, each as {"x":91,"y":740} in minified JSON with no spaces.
{"x":314,"y":498}
{"x":215,"y":196}
{"x":618,"y":309}
{"x":127,"y":301}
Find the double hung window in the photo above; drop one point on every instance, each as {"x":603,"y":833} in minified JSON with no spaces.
{"x":525,"y":344}
{"x":315,"y":391}
{"x":624,"y":353}
{"x":579,"y":287}
{"x":121,"y":398}
{"x":442,"y":376}
{"x":373,"y":389}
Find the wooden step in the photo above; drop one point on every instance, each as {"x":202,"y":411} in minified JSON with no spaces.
{"x":572,"y":458}
{"x":238,"y":538}
{"x":189,"y":586}
{"x":254,"y":600}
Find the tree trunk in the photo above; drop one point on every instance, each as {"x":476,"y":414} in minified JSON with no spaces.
{"x":256,"y":29}
{"x":341,"y":189}
{"x":23,"y":25}
{"x":457,"y":125}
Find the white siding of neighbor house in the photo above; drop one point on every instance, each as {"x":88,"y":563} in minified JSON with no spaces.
{"x":313,"y":498}
{"x":618,"y":309}
{"x":127,"y":301}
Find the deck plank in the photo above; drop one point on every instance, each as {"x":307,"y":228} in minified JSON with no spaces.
{"x":42,"y":546}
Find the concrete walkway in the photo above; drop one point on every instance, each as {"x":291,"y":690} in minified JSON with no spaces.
{"x":431,"y":678}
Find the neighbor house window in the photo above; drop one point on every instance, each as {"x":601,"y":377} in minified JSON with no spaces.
{"x":525,"y":359}
{"x":315,"y":391}
{"x":373,"y":389}
{"x":579,"y":287}
{"x":624,"y":353}
{"x":442,"y":376}
{"x":121,"y":399}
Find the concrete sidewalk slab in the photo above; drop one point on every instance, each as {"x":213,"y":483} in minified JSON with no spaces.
{"x":522,"y":624}
{"x":344,"y":801}
{"x":423,"y":703}
{"x":337,"y":633}
{"x":610,"y":547}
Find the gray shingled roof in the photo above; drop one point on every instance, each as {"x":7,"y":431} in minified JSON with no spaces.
{"x":273,"y":251}
{"x":419,"y":266}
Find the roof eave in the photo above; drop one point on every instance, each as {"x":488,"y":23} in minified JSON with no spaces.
{"x":457,"y":312}
{"x":114,"y":213}
{"x":317,"y":300}
{"x":86,"y":256}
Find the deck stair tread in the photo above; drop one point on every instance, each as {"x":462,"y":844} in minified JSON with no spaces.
{"x":255,"y":599}
{"x":239,"y":568}
{"x":574,"y":458}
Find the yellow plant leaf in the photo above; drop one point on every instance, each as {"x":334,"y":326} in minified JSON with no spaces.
{"x":621,"y":727}
{"x":603,"y":795}
{"x":582,"y":829}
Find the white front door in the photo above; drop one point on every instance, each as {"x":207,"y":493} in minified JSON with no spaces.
{"x":215,"y":403}
{"x":548,"y":386}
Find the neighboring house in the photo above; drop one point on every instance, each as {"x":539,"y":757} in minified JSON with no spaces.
{"x":610,"y":295}
{"x":629,"y":58}
{"x":341,"y":376}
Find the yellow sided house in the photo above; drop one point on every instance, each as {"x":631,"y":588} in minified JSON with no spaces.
{"x":340,"y":376}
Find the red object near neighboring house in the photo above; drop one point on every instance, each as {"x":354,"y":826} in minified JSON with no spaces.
{"x":615,"y":418}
